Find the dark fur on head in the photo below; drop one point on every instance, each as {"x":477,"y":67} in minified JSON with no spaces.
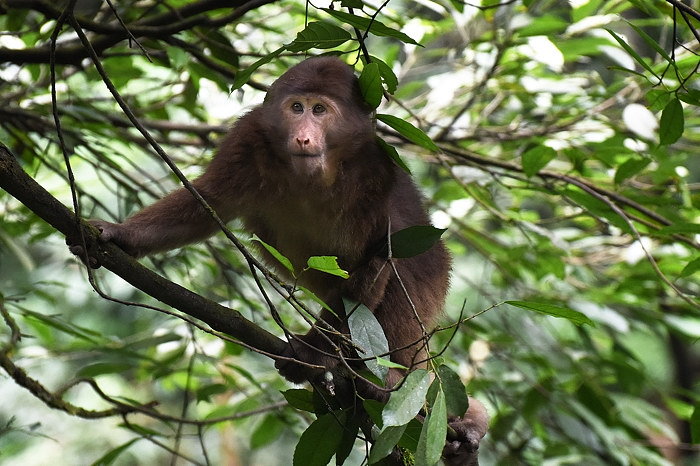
{"x":328,"y":75}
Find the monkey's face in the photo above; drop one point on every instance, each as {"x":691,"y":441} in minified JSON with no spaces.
{"x":317,"y":133}
{"x":306,"y":125}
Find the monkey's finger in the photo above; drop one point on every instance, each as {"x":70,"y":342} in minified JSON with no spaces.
{"x":88,"y":260}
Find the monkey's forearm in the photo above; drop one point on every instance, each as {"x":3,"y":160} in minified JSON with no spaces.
{"x":176,"y":220}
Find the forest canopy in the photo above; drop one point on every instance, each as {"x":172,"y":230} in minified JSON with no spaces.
{"x":556,"y":144}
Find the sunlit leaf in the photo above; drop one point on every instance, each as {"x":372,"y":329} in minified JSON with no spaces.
{"x":327,"y":264}
{"x":554,"y":311}
{"x":408,"y":131}
{"x":390,"y":364}
{"x":276,"y":254}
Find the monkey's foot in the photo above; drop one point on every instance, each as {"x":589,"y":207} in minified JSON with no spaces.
{"x":469,"y":429}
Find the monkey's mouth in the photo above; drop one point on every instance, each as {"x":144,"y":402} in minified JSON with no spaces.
{"x":307,"y":155}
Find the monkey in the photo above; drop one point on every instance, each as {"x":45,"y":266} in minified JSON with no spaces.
{"x":305,"y":173}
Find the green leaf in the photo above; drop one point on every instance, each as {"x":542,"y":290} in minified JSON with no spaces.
{"x":59,"y":324}
{"x":432,"y":437}
{"x":405,"y":402}
{"x":393,"y":153}
{"x":320,"y":35}
{"x":207,"y":391}
{"x":375,"y":27}
{"x":374,"y":408}
{"x":385,"y":442}
{"x":109,"y":457}
{"x":347,"y":442}
{"x":100,"y":368}
{"x":632,"y":52}
{"x":414,"y":240}
{"x":276,"y":254}
{"x":408,"y":131}
{"x":455,"y":392}
{"x":371,"y":85}
{"x":409,"y":439}
{"x":629,"y":168}
{"x":536,"y":158}
{"x":311,"y":295}
{"x":267,"y":431}
{"x":177,"y":56}
{"x":657,"y":99}
{"x":544,"y":25}
{"x":597,"y":207}
{"x":387,"y":74}
{"x":140,"y":430}
{"x":300,"y":399}
{"x":327,"y":264}
{"x":318,"y":443}
{"x":242,"y":76}
{"x":695,"y":425}
{"x":691,"y":267}
{"x":554,"y":311}
{"x":671,"y":123}
{"x":391,"y":364}
{"x":680,"y":228}
{"x":652,"y":43}
{"x":585,"y":10}
{"x":367,"y":334}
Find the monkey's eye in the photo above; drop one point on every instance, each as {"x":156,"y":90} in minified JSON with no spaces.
{"x":318,"y":109}
{"x":297,"y":107}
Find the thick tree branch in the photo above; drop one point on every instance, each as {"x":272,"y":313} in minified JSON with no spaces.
{"x":21,"y":186}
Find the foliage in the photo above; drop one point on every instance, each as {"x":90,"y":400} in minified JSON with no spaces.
{"x":556,"y":142}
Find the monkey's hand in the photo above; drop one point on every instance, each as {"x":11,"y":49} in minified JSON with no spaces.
{"x":108,"y":232}
{"x":470,"y":429}
{"x":310,"y":351}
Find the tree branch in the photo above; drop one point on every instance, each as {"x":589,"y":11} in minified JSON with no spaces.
{"x":156,"y":26}
{"x":26,"y":190}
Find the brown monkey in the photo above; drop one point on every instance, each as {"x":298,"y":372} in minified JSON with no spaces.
{"x":304,"y":172}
